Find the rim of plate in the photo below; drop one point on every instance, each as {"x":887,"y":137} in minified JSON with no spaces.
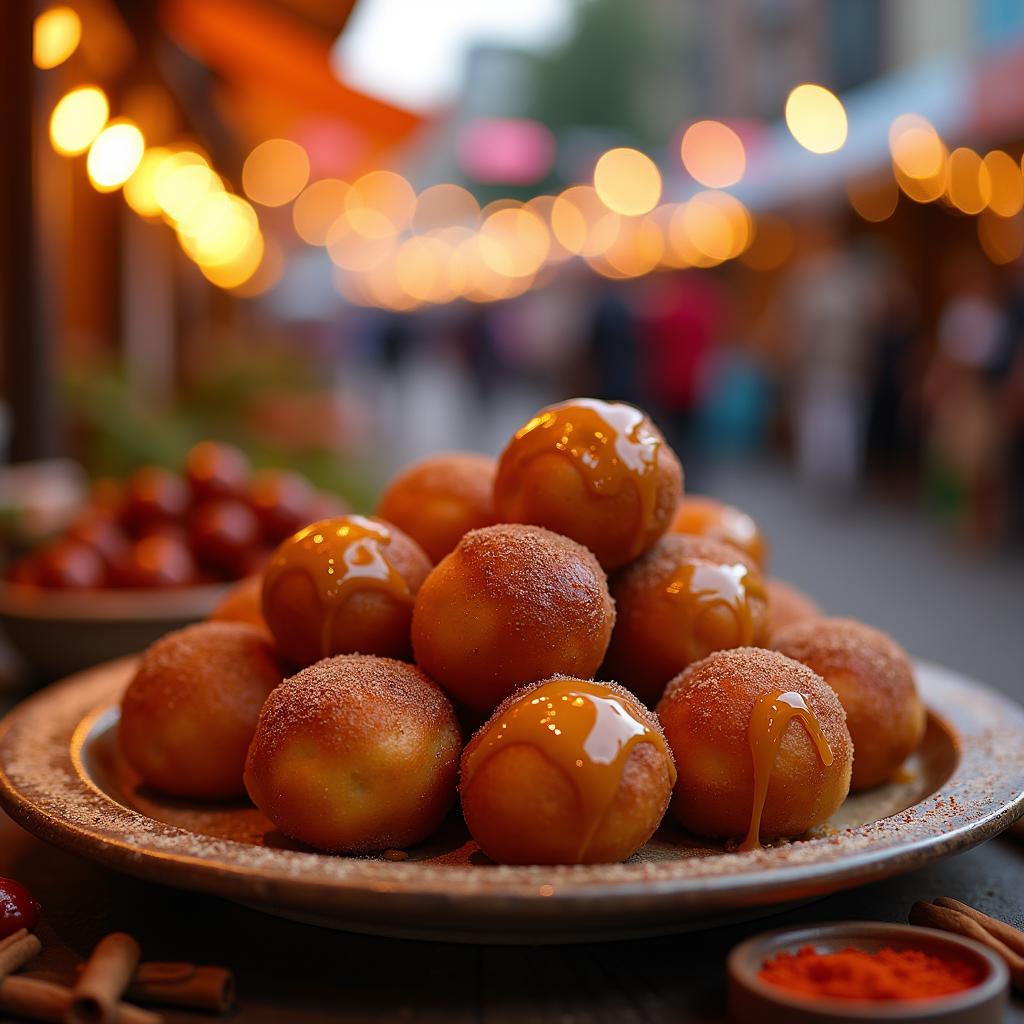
{"x":45,"y":787}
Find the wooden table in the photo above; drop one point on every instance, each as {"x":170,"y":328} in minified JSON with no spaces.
{"x":299,"y":974}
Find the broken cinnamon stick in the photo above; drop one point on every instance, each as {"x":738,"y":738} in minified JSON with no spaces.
{"x":931,"y":916}
{"x":33,"y":999}
{"x":16,"y":951}
{"x":104,"y":979}
{"x":182,"y":984}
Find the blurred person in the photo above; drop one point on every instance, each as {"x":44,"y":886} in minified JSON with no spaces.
{"x":687,"y":314}
{"x":1008,"y":380}
{"x":823,"y":326}
{"x":892,"y":434}
{"x":963,"y":431}
{"x":611,"y":361}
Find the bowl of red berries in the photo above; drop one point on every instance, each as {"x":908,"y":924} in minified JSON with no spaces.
{"x":150,"y":554}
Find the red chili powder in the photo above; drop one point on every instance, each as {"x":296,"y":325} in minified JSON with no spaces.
{"x":889,"y":974}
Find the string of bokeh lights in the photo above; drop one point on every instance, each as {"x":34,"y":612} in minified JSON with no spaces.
{"x":395,"y":249}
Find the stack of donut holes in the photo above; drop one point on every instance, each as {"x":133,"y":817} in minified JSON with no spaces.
{"x":558,"y":638}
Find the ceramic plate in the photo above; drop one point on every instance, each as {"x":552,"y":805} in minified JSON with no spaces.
{"x":62,"y":778}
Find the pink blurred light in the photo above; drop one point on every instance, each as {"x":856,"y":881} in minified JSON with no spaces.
{"x":506,"y":150}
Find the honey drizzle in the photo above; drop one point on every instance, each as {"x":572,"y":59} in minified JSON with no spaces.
{"x":771,"y":714}
{"x":705,"y":585}
{"x":340,"y":556}
{"x":585,"y":730}
{"x":607,"y":442}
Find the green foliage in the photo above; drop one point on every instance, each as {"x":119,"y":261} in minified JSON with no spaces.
{"x":117,"y":431}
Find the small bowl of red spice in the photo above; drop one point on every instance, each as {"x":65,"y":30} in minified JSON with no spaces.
{"x":862,"y":971}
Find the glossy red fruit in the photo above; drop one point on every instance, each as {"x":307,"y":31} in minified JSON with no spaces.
{"x":17,"y":908}
{"x":154,"y":495}
{"x":224,"y":533}
{"x":216,"y":470}
{"x":160,"y":560}
{"x":105,"y":537}
{"x":71,"y":565}
{"x":283,"y":502}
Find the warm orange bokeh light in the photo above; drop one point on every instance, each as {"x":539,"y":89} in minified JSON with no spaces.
{"x":713,"y":154}
{"x":816,"y":118}
{"x":582,"y":223}
{"x":140,"y":188}
{"x":56,"y":33}
{"x":182,"y":182}
{"x":275,"y":172}
{"x":421,"y":269}
{"x":385,"y":194}
{"x":1006,"y":182}
{"x":220,"y":229}
{"x":874,"y":199}
{"x":716,"y":224}
{"x":235,"y":272}
{"x":919,"y":158}
{"x":968,"y":185}
{"x":77,"y":119}
{"x":444,"y":205}
{"x":317,"y":208}
{"x":114,"y":155}
{"x":360,"y":239}
{"x":514,"y":242}
{"x":637,"y":250}
{"x":627,"y":182}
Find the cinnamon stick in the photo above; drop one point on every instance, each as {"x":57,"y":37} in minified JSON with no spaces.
{"x":104,"y":979}
{"x":16,"y":951}
{"x":33,"y":999}
{"x":182,"y":984}
{"x":931,"y":916}
{"x":1006,"y":933}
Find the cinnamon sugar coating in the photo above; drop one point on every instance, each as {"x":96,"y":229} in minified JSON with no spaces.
{"x":683,"y":599}
{"x":191,"y":709}
{"x":357,"y":754}
{"x":874,"y":680}
{"x":787,"y":604}
{"x":440,"y":499}
{"x":510,"y":605}
{"x":706,"y":713}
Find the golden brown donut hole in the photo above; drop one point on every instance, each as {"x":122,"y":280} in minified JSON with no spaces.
{"x":243,"y":602}
{"x":683,"y":599}
{"x":439,"y":500}
{"x":355,"y":754}
{"x":351,"y":590}
{"x":706,"y":714}
{"x":527,"y":802}
{"x":874,"y":680}
{"x":510,"y":605}
{"x":564,"y":470}
{"x":191,"y":709}
{"x":787,"y":604}
{"x":708,"y":517}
